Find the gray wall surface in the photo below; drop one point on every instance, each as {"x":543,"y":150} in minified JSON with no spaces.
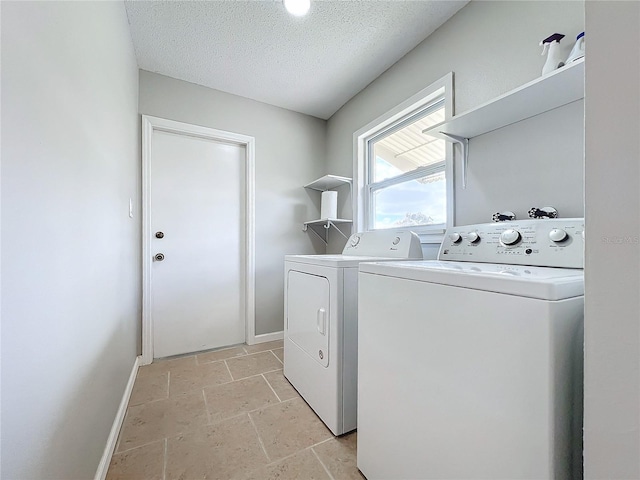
{"x":70,"y":252}
{"x":492,"y":47}
{"x":290,"y":152}
{"x":612,"y":260}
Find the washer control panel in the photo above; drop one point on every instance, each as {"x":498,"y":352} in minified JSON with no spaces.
{"x":554,"y":242}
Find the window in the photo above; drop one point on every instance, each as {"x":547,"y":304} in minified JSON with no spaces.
{"x":403,"y":177}
{"x":406,"y":184}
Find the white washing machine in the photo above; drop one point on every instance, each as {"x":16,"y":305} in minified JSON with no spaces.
{"x":321,"y":321}
{"x":470,"y":366}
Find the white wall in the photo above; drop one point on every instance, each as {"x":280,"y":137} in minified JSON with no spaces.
{"x":492,"y":47}
{"x":290,"y":152}
{"x":612,"y":264}
{"x":70,"y":252}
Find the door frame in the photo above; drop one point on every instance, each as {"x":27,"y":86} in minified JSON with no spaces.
{"x":149,"y":125}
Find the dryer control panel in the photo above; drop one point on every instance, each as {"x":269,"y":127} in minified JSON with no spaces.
{"x":554,"y":242}
{"x":384,"y":243}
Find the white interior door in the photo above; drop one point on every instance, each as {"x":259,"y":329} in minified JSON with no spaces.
{"x":196,"y":192}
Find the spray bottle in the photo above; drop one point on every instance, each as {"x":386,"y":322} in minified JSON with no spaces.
{"x":554,"y":58}
{"x":577,"y":51}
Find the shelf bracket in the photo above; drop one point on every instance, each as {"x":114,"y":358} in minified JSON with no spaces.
{"x":464,"y":150}
{"x":306,"y":228}
{"x":327,"y":226}
{"x":331,"y":224}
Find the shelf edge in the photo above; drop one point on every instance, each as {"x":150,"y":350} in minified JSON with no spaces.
{"x":450,"y":125}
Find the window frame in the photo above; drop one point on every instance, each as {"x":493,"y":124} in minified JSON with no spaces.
{"x":440,"y":90}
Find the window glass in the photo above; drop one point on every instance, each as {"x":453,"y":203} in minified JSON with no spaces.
{"x":404,"y":147}
{"x":421,"y":201}
{"x":407,"y":184}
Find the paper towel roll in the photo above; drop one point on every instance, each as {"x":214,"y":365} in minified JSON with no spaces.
{"x":329,"y":205}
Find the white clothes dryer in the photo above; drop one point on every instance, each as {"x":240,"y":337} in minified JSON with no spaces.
{"x":320,"y":321}
{"x":470,"y":369}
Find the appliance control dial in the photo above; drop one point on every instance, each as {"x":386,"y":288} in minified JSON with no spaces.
{"x":473,"y":237}
{"x":396,"y":240}
{"x":558,"y":235}
{"x":510,"y":237}
{"x":355,"y":240}
{"x":455,"y":238}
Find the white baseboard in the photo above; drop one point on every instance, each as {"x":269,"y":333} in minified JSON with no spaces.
{"x":265,"y":337}
{"x":103,"y":467}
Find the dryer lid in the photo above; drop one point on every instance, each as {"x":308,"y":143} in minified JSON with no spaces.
{"x":334,"y":260}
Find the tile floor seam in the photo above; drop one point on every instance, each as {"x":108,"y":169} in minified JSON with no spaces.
{"x":322,"y":463}
{"x":188,"y":392}
{"x":323,"y":441}
{"x":287,"y":457}
{"x":177,"y":434}
{"x":281,"y":362}
{"x":164,"y":459}
{"x":255,"y":375}
{"x":195,"y":389}
{"x":155,"y":400}
{"x":261,"y":352}
{"x":222,"y":360}
{"x":188,"y":430}
{"x":229,"y":370}
{"x":272,"y":389}
{"x":257,"y":410}
{"x":206,"y":407}
{"x":157,"y":440}
{"x":259,"y":438}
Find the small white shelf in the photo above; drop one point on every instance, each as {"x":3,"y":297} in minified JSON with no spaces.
{"x":561,"y":87}
{"x":328,"y":182}
{"x":324,"y":221}
{"x":554,"y":90}
{"x":326,"y":224}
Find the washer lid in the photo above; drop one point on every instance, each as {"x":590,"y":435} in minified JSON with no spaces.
{"x":545,"y":283}
{"x":334,"y":260}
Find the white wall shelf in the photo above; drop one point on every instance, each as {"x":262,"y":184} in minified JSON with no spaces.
{"x":561,"y":87}
{"x":328,"y":182}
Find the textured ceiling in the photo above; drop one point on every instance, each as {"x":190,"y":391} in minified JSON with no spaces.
{"x":255,"y":49}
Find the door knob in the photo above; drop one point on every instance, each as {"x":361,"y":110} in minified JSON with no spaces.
{"x":159,"y":235}
{"x":159,"y":257}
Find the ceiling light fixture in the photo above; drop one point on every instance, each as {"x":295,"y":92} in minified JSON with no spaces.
{"x":297,"y":8}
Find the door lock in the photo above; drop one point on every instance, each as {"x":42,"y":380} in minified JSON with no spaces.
{"x":159,"y":235}
{"x":158,"y":257}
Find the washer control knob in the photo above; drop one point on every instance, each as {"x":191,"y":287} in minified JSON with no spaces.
{"x":396,"y":240}
{"x":473,"y":237}
{"x":510,"y":237}
{"x":355,"y":240}
{"x":455,"y":238}
{"x":558,"y":235}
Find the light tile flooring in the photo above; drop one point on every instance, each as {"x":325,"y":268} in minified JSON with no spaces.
{"x":226,"y":414}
